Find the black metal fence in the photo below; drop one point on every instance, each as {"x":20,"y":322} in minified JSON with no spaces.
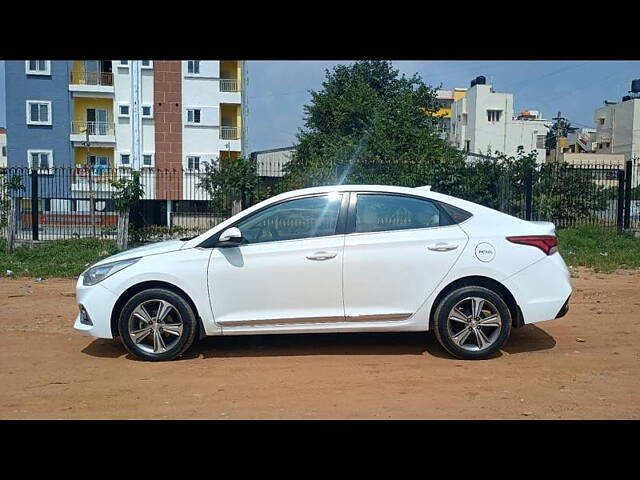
{"x":60,"y":203}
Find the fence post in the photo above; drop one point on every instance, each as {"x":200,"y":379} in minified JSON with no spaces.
{"x":34,"y":204}
{"x":12,"y":225}
{"x":627,"y":195}
{"x":620,"y":212}
{"x":528,"y":186}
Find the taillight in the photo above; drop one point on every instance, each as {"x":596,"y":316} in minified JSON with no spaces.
{"x":547,"y":243}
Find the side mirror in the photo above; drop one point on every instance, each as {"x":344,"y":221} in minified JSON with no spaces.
{"x":231,"y":236}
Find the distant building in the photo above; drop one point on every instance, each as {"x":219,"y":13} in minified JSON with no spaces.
{"x":445,"y":102}
{"x":270,"y":163}
{"x":3,"y":147}
{"x":483,"y":122}
{"x":618,"y":125}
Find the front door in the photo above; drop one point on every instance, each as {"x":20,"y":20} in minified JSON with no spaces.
{"x":400,"y":250}
{"x":286,"y":271}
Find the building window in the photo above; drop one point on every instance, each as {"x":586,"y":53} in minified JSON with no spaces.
{"x":124,"y":63}
{"x":147,"y":160}
{"x":607,"y":145}
{"x":193,"y":163}
{"x":4,"y":151}
{"x":541,"y":141}
{"x":146,"y":111}
{"x":493,"y":115}
{"x":147,"y":64}
{"x":123,"y":110}
{"x":42,"y":160}
{"x":125,"y":159}
{"x":193,"y":115}
{"x":193,"y":66}
{"x":38,"y":67}
{"x":38,"y":112}
{"x":467,"y":145}
{"x":601,"y":121}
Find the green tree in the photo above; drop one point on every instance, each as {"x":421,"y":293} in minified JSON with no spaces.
{"x":128,"y":191}
{"x":369,"y":124}
{"x":229,"y":181}
{"x":561,"y":128}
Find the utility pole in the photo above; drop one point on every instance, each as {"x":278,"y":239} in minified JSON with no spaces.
{"x":558,"y":119}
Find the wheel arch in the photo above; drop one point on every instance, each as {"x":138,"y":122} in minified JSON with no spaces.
{"x":517,"y":319}
{"x":139,"y":287}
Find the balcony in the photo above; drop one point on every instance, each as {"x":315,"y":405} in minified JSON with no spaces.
{"x":83,"y":81}
{"x":229,"y":85}
{"x":99,"y":132}
{"x":229,"y":133}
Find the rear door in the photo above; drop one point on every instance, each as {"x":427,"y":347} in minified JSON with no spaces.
{"x":397,"y":250}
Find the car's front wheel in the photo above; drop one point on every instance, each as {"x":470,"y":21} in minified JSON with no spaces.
{"x":472,"y":322}
{"x":157,"y":324}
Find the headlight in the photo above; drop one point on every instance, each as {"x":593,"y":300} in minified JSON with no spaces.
{"x":96,"y":274}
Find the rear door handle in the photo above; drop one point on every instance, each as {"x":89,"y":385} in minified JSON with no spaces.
{"x":442,"y":247}
{"x":319,"y":256}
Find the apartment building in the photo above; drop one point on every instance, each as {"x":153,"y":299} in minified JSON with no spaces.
{"x":104,"y":116}
{"x":618,"y":125}
{"x":483,"y":122}
{"x":445,"y":100}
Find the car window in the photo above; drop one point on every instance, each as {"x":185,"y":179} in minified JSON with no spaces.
{"x":301,"y":218}
{"x":376,"y":213}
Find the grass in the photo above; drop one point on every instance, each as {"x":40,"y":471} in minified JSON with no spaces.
{"x":60,"y":258}
{"x":602,"y":249}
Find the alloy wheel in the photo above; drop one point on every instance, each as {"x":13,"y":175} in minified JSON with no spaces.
{"x":155,"y":326}
{"x":474,"y":324}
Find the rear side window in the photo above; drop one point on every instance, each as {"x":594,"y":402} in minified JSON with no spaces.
{"x":458,"y":215}
{"x":379,"y":212}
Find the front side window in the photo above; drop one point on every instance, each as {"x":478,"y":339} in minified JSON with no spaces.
{"x":38,"y":113}
{"x":125,"y":159}
{"x":147,"y":160}
{"x":378,"y":213}
{"x":295,"y":219}
{"x":124,"y":110}
{"x":146,"y":111}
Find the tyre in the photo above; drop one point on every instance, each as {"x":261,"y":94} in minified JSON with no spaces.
{"x":472,"y":322}
{"x":157,"y":324}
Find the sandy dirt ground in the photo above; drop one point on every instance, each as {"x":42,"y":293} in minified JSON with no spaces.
{"x":585,"y":365}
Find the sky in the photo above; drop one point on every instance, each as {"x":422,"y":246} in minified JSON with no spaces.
{"x":278,"y":90}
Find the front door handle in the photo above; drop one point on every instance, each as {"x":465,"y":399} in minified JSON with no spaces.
{"x":442,"y":247}
{"x":319,"y":256}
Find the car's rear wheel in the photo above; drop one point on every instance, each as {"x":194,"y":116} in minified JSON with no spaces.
{"x":472,"y":322}
{"x":157,"y":324}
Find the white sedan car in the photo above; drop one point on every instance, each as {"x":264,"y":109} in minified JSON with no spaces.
{"x":351,"y":258}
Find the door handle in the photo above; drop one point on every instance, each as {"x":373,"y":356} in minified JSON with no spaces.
{"x":442,"y":247}
{"x":318,"y":256}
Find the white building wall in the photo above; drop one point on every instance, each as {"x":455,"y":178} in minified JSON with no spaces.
{"x":202,"y":91}
{"x":122,"y":90}
{"x":621,"y":128}
{"x":484,"y":136}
